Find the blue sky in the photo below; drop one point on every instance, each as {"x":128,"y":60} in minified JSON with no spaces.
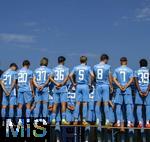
{"x":31,"y":29}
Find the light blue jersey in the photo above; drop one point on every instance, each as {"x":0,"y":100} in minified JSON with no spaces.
{"x":142,"y":74}
{"x":123,"y":74}
{"x":82,"y":73}
{"x":102,"y":72}
{"x":24,"y":77}
{"x":42,"y":74}
{"x":60,"y":73}
{"x":8,"y":77}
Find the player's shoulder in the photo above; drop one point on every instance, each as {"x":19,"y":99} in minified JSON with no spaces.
{"x":54,"y":68}
{"x":96,"y":65}
{"x":48,"y":69}
{"x":6,"y":71}
{"x":13,"y":72}
{"x":118,"y":68}
{"x":19,"y":70}
{"x":107,"y":66}
{"x":89,"y":67}
{"x":65,"y":67}
{"x":30,"y":71}
{"x":77,"y":67}
{"x":129,"y":69}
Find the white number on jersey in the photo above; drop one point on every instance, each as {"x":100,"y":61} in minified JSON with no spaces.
{"x":22,"y":77}
{"x":7,"y":78}
{"x":81,"y":74}
{"x":72,"y":95}
{"x":41,"y":75}
{"x":99,"y":73}
{"x":123,"y":73}
{"x":144,"y":77}
{"x":59,"y":75}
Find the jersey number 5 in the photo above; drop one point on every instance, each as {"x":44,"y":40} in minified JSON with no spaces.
{"x":81,"y":74}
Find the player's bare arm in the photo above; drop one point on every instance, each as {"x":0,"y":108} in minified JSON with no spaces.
{"x":64,"y":81}
{"x":35,"y":83}
{"x":13,"y":85}
{"x":147,"y":91}
{"x":4,"y":88}
{"x":129,"y":83}
{"x":137,"y":86}
{"x":92,"y":76}
{"x":51,"y":78}
{"x":117,"y":83}
{"x":32,"y":87}
{"x":44,"y":85}
{"x":71,"y":79}
{"x":111,"y":82}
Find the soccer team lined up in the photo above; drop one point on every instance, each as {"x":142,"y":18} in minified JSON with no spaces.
{"x":56,"y":95}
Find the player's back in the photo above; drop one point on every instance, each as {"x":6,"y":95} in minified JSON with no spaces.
{"x":82,"y":74}
{"x":42,"y":74}
{"x":8,"y":77}
{"x":60,"y":72}
{"x":142,"y":74}
{"x":123,"y":74}
{"x":24,"y":77}
{"x":102,"y":72}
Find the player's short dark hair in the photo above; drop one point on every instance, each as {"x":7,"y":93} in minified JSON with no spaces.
{"x":61,"y":59}
{"x":104,"y":57}
{"x":13,"y":65}
{"x":26,"y":63}
{"x":123,"y":59}
{"x":143,"y":63}
{"x":83,"y":59}
{"x":44,"y":61}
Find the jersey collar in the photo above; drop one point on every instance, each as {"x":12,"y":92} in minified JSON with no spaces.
{"x":102,"y":63}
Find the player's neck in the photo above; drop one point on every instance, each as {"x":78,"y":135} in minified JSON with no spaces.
{"x":25,"y":67}
{"x":143,"y":67}
{"x":102,"y":62}
{"x":123,"y":65}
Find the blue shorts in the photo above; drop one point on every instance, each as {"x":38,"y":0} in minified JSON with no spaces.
{"x":42,"y":96}
{"x":9,"y":100}
{"x":102,"y":93}
{"x":123,"y":97}
{"x":82,"y":93}
{"x":139,"y":100}
{"x":24,"y":97}
{"x":60,"y":97}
